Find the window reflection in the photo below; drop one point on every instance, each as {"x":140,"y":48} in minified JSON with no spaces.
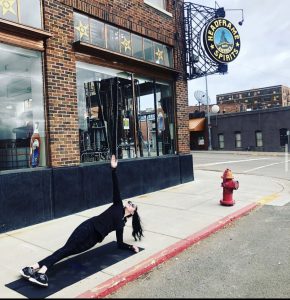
{"x":21,"y":106}
{"x":98,"y":33}
{"x":147,"y":117}
{"x":113,"y":38}
{"x":137,"y":46}
{"x":165,"y":118}
{"x":144,"y":125}
{"x":148,"y":50}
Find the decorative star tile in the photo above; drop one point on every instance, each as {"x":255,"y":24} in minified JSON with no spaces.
{"x":126,"y":44}
{"x":7,"y":6}
{"x":159,"y":54}
{"x":82,"y":29}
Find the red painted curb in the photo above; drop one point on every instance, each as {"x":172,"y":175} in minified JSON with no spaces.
{"x":148,"y":264}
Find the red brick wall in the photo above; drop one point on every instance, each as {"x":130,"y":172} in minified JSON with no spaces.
{"x":182,"y":116}
{"x":181,"y":87}
{"x":60,"y":76}
{"x":62,"y":109}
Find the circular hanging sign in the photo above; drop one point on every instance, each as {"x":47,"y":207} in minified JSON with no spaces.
{"x":221,"y":40}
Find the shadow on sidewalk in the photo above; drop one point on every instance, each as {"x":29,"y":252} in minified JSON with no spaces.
{"x":72,"y":270}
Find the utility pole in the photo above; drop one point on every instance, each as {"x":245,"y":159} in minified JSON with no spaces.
{"x":208,"y":115}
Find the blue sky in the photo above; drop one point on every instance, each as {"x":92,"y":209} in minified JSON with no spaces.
{"x":264,"y":58}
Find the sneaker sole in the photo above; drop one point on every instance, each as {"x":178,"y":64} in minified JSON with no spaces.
{"x":23,"y":275}
{"x":31,"y":279}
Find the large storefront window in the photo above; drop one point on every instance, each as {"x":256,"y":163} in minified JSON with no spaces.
{"x":21,"y":109}
{"x":27,"y":12}
{"x":123,"y":111}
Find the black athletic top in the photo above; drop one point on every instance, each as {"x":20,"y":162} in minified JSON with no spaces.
{"x":112,"y":219}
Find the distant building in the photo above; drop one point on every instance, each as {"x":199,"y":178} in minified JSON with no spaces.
{"x":256,"y":119}
{"x":259,"y":130}
{"x":260,"y":98}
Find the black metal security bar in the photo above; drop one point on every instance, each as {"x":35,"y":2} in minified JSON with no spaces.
{"x":196,"y":17}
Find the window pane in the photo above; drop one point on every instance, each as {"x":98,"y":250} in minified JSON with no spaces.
{"x":97,"y":33}
{"x":21,"y":107}
{"x":99,"y":89}
{"x":148,"y":50}
{"x":283,"y":137}
{"x":113,"y":38}
{"x":30,"y":13}
{"x":238,"y":140}
{"x":137,"y":46}
{"x":167,"y":56}
{"x":158,"y":3}
{"x":165,"y":118}
{"x":82,"y":30}
{"x":147,"y":117}
{"x":221,"y":141}
{"x":259,"y":139}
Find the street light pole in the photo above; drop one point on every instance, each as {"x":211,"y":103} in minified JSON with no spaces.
{"x":286,"y":151}
{"x":208,"y":116}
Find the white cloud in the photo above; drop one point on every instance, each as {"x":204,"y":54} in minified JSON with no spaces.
{"x":264,"y":58}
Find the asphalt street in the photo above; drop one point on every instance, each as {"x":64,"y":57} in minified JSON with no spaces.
{"x":275,"y":165}
{"x":250,"y":258}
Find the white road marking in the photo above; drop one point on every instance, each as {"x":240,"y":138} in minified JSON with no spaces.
{"x":265,"y":166}
{"x":230,"y":161}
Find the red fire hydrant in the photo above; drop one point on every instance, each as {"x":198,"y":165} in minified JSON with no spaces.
{"x":228,"y":185}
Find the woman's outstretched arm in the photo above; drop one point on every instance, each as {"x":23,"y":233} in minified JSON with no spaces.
{"x":116,"y":191}
{"x":122,"y":245}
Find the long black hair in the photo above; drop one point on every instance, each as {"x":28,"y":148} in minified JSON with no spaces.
{"x":137,"y":227}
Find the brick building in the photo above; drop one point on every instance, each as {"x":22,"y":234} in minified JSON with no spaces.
{"x":253,"y":99}
{"x":267,"y":108}
{"x":83,"y":73}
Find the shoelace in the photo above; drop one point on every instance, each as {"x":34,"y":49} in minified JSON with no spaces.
{"x":42,"y":276}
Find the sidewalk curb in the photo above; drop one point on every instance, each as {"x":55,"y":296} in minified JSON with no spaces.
{"x":113,"y":284}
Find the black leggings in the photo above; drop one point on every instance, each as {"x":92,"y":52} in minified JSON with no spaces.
{"x":83,"y":238}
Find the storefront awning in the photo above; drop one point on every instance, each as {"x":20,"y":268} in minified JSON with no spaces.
{"x":196,"y":124}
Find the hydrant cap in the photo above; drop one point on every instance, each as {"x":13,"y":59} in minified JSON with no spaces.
{"x":229,"y":174}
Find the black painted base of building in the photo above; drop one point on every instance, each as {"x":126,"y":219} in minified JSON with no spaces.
{"x":32,"y":196}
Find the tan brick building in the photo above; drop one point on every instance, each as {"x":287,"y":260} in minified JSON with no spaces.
{"x":253,"y":99}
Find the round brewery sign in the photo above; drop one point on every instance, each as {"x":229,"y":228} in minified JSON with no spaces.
{"x":221,"y":40}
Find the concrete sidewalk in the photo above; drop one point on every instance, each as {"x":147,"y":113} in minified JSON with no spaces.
{"x":173,"y":219}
